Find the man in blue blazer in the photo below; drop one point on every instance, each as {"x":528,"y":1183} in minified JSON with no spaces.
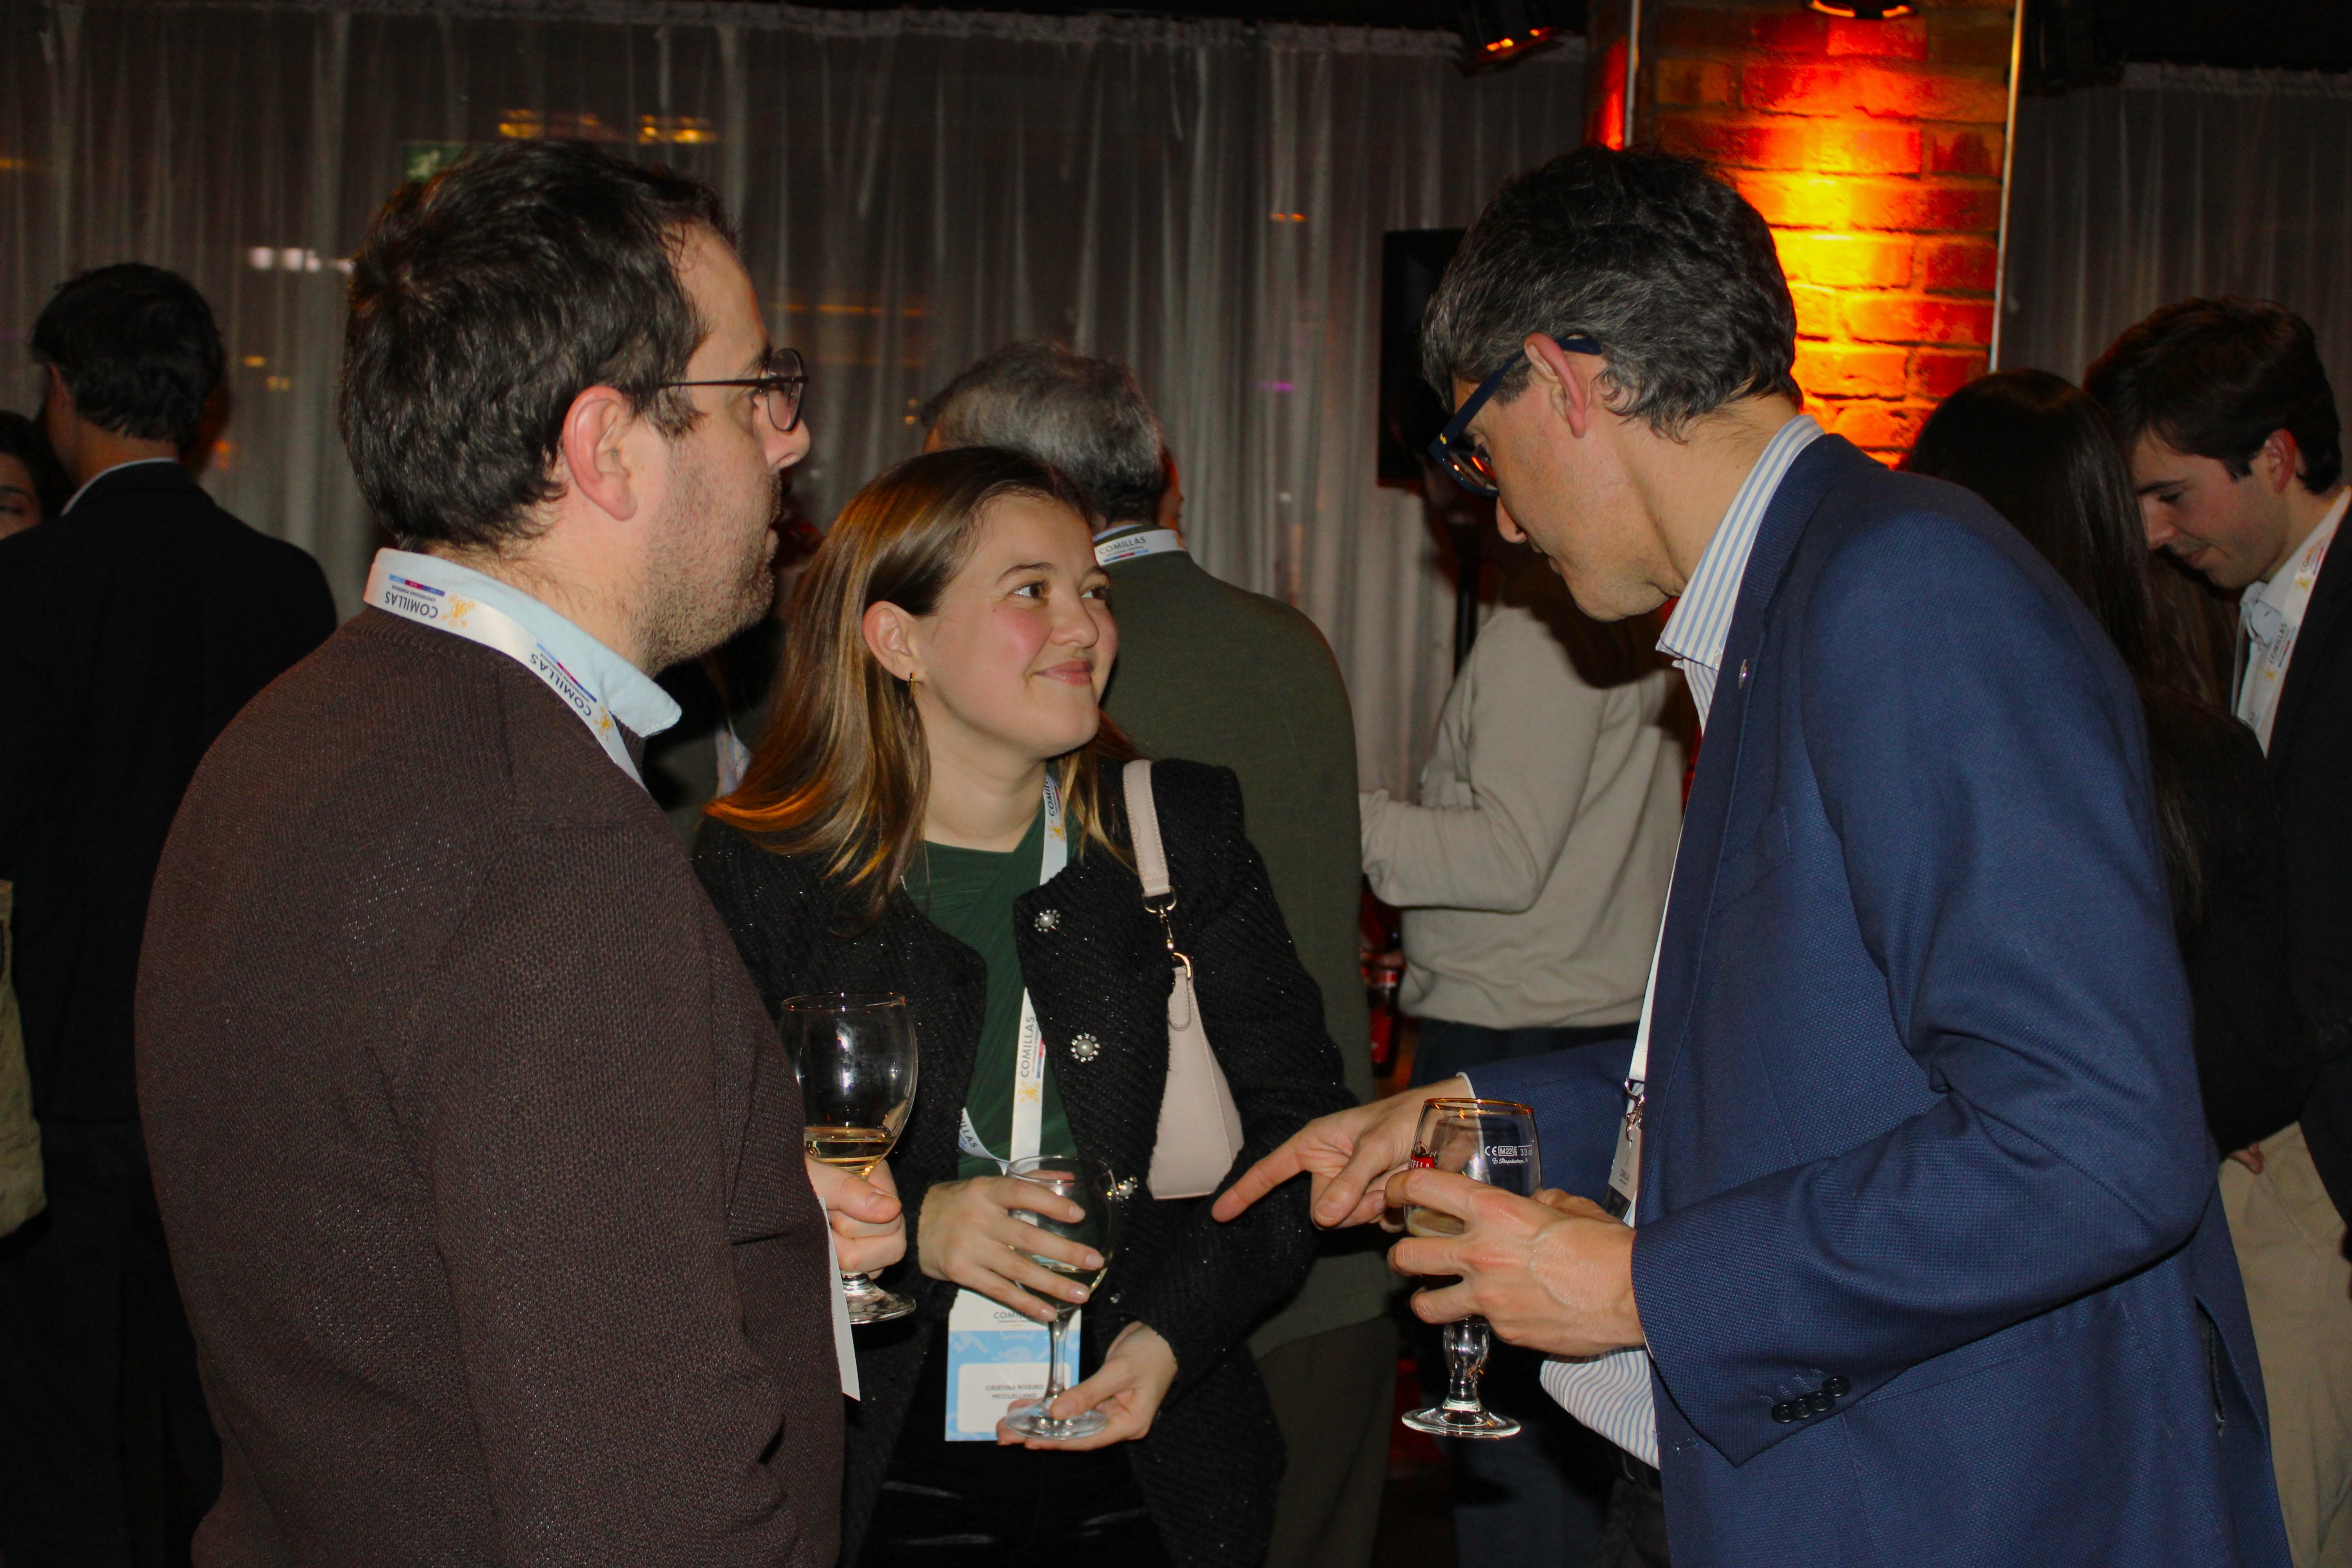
{"x":1927,"y":1263}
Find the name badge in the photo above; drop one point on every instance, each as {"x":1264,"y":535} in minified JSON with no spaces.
{"x":1625,"y":1169}
{"x":995,"y":1356}
{"x":845,"y":1348}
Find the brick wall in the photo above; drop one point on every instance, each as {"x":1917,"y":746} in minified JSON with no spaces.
{"x":1874,"y":149}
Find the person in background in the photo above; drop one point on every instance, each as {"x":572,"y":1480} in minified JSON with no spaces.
{"x":481,"y":1164}
{"x":2237,"y":455}
{"x":1211,"y":672}
{"x":2045,"y":454}
{"x":723,"y":697}
{"x":32,"y":487}
{"x":134,"y":623}
{"x":33,"y":484}
{"x":1531,"y":878}
{"x":949,"y":647}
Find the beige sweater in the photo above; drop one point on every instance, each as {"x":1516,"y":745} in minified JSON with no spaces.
{"x":1534,"y":872}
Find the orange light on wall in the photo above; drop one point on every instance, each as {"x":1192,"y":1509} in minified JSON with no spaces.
{"x":1870,"y":137}
{"x":1604,"y":120}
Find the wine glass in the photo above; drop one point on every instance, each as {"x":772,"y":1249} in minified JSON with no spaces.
{"x":1490,"y":1140}
{"x":1086,"y":1184}
{"x":854,"y":1052}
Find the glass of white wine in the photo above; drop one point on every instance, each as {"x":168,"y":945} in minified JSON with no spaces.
{"x":1086,"y":1184}
{"x":854,"y":1052}
{"x":1490,"y":1140}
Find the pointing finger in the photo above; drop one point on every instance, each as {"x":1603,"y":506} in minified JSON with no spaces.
{"x":1257,"y":1181}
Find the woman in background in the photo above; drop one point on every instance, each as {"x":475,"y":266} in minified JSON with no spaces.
{"x":948,"y":650}
{"x":2047,"y":457}
{"x":33,"y":488}
{"x":33,"y":484}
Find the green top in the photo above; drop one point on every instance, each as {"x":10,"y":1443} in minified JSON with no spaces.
{"x":969,"y":894}
{"x":1212,"y":673}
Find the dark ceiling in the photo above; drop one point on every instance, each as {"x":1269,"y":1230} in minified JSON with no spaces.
{"x":2097,"y":34}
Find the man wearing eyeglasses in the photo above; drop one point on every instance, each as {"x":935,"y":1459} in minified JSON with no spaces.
{"x":478,"y":1161}
{"x":1914,"y":1252}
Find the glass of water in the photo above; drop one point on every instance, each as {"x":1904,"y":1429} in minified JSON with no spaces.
{"x":1086,"y":1184}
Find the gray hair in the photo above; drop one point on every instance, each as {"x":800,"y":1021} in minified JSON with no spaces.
{"x":1666,"y":267}
{"x":1084,"y":418}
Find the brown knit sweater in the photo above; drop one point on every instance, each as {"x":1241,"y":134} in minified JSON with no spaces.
{"x":479,"y":1162}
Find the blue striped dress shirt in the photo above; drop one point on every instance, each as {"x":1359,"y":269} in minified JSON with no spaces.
{"x":1612,"y":1393}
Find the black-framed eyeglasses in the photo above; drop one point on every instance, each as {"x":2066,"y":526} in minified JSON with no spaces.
{"x":1463,"y":463}
{"x":777,"y":388}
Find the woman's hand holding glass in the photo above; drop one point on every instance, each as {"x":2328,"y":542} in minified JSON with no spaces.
{"x":968,"y":1235}
{"x":1128,"y":1388}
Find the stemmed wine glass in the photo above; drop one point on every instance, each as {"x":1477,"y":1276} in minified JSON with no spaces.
{"x":1490,"y":1140}
{"x":1086,"y":1184}
{"x":854,"y":1052}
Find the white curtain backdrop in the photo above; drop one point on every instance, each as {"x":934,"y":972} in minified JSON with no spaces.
{"x":1205,"y":200}
{"x":2179,"y":182}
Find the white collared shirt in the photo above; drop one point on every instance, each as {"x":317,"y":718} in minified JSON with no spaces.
{"x":626,"y":690}
{"x":1694,"y":633}
{"x":2269,"y":616}
{"x":133,"y":463}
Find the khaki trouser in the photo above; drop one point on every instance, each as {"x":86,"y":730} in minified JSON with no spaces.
{"x":2290,"y":1246}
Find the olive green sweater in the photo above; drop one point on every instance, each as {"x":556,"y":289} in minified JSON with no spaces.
{"x":1211,"y":673}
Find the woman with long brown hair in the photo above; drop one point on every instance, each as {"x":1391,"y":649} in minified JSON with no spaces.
{"x":2047,"y":456}
{"x":947,"y":650}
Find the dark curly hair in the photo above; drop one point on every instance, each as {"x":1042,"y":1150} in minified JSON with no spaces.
{"x":483,"y":301}
{"x":136,"y":346}
{"x":1664,"y":266}
{"x":2214,"y":378}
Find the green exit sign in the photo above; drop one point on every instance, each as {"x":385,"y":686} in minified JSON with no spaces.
{"x":423,"y":160}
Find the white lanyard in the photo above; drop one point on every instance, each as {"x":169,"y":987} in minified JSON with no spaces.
{"x":1029,"y":1055}
{"x":995,"y":1355}
{"x":409,"y":597}
{"x":1135,"y":546}
{"x":2271,"y":628}
{"x":1625,"y":1169}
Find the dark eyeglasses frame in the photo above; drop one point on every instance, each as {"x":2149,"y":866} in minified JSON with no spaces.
{"x":781,"y":388}
{"x":1465,"y":464}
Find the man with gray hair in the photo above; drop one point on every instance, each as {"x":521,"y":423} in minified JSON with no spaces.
{"x":1914,"y":1251}
{"x":1211,"y":672}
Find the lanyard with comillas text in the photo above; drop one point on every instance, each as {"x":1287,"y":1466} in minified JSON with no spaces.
{"x":1134,"y":546}
{"x":407,"y":595}
{"x":995,"y":1355}
{"x":1029,"y":1057}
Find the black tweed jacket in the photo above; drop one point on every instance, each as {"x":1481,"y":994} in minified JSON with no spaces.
{"x":1099,"y":978}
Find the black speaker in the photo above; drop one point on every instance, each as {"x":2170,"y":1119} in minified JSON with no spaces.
{"x":1412,"y":261}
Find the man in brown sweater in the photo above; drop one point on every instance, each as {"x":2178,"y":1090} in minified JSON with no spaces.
{"x":479,"y":1162}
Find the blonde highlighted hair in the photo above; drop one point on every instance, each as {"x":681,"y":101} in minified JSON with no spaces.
{"x":843,"y":773}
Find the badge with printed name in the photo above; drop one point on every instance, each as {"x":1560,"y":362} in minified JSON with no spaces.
{"x":995,"y":1356}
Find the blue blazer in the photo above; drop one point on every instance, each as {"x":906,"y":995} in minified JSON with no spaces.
{"x":1931,"y":1256}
